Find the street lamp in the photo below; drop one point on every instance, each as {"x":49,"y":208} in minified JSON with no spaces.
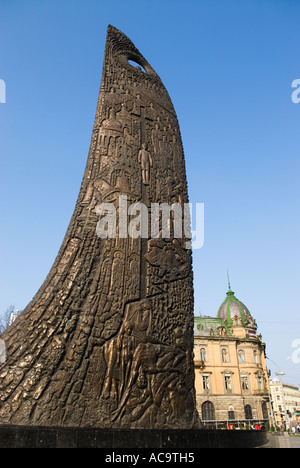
{"x":287,"y":424}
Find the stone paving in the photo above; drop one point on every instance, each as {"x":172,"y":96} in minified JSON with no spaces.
{"x":282,"y":440}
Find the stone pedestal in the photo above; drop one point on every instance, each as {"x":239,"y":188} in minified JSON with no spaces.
{"x":58,"y":437}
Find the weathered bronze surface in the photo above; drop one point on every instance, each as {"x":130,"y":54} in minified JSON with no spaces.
{"x":108,"y":339}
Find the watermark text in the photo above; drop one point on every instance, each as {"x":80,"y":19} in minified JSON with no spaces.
{"x":2,"y":92}
{"x":296,"y":354}
{"x":159,"y":221}
{"x":296,"y":93}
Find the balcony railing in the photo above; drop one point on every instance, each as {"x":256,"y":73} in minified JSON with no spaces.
{"x":238,"y":424}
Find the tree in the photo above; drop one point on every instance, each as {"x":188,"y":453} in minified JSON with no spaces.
{"x":4,"y":319}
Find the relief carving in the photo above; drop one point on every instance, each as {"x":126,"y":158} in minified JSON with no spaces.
{"x":107,"y":341}
{"x":145,"y":161}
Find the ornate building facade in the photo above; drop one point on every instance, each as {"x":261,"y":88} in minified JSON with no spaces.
{"x":286,"y":403}
{"x":232,"y":384}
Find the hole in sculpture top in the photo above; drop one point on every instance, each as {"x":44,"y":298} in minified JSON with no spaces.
{"x":136,"y":65}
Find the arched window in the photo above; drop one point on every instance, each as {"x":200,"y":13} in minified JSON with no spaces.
{"x":248,"y":412}
{"x":203,"y":355}
{"x":231,"y":414}
{"x":224,"y":354}
{"x":208,"y":411}
{"x":244,"y":382}
{"x":241,"y":356}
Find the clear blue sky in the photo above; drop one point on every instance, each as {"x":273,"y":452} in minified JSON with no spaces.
{"x":228,"y":66}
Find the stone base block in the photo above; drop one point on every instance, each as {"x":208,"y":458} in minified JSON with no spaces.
{"x":68,"y":437}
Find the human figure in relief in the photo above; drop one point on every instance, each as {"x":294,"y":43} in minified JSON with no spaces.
{"x":145,"y":160}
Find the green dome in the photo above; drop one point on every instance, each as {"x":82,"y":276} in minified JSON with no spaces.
{"x":231,"y":308}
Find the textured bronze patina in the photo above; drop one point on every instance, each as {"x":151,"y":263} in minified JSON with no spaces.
{"x":108,"y":339}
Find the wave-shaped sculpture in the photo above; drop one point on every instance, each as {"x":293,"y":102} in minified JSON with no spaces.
{"x":108,"y":339}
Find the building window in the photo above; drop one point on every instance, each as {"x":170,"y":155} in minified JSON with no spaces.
{"x":248,"y":412}
{"x":241,"y":356}
{"x":224,"y":354}
{"x":228,"y":383}
{"x":205,"y":382}
{"x":255,"y":357}
{"x":203,"y":355}
{"x":265,"y":411}
{"x":231,"y":414}
{"x":260,"y":384}
{"x":208,"y":411}
{"x":244,"y":383}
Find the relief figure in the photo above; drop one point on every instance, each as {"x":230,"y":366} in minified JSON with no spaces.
{"x":145,"y":160}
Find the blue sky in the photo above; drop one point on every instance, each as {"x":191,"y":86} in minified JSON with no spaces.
{"x":228,"y":67}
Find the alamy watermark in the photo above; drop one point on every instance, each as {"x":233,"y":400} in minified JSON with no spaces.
{"x":161,"y":220}
{"x":2,"y":92}
{"x":296,"y":93}
{"x":295,"y":357}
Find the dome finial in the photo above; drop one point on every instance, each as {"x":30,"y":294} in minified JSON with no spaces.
{"x":229,"y":287}
{"x":230,"y":293}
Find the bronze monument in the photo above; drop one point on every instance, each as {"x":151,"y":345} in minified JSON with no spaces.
{"x":108,"y":339}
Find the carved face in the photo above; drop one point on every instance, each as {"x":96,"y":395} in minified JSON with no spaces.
{"x":141,"y":380}
{"x":145,"y":309}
